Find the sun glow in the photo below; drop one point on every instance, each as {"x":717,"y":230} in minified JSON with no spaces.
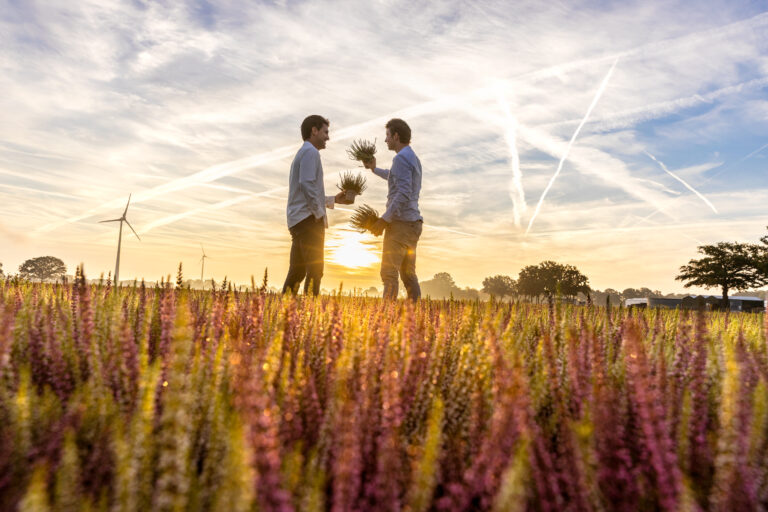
{"x":351,"y":249}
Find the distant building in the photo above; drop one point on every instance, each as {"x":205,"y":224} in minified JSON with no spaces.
{"x":708,"y":302}
{"x":654,"y":302}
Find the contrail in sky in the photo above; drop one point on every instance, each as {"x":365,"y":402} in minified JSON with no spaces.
{"x":753,"y":153}
{"x":516,"y":185}
{"x":216,"y":206}
{"x":661,"y":164}
{"x":570,"y":143}
{"x":205,"y":176}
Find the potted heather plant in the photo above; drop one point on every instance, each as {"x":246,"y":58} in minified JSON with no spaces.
{"x":364,"y":218}
{"x":352,"y":184}
{"x":362,"y":150}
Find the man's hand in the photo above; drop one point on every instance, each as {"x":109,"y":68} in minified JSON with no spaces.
{"x":370,"y":164}
{"x":378,"y":228}
{"x":341,"y":198}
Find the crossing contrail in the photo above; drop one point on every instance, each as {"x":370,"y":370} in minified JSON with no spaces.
{"x":517,"y":193}
{"x":661,"y":164}
{"x":205,"y":176}
{"x":570,"y":143}
{"x":216,"y":206}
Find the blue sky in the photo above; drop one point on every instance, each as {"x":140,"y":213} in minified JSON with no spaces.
{"x":195,"y":109}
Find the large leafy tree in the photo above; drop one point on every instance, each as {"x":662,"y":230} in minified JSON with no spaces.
{"x":549,"y":278}
{"x":725,"y":265}
{"x":761,"y":258}
{"x":500,"y":286}
{"x":42,"y":268}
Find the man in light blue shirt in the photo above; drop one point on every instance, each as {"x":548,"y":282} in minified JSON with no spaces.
{"x":401,"y":222}
{"x":305,"y":211}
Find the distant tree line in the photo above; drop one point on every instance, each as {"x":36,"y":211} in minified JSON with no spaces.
{"x":534,"y":282}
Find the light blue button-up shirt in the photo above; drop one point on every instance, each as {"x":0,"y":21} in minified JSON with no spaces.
{"x":404,"y":183}
{"x":306,"y":191}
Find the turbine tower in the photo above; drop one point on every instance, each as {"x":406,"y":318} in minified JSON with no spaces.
{"x":202,"y":269}
{"x":120,"y":238}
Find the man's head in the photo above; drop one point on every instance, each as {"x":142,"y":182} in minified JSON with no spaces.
{"x":315,"y":129}
{"x":398,"y":134}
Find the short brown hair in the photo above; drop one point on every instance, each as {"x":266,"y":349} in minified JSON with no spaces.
{"x":313,"y":121}
{"x":401,"y":128}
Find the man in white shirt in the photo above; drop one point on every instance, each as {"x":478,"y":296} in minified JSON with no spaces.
{"x":306,"y":208}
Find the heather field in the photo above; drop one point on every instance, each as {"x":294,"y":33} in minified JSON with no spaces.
{"x":166,"y":399}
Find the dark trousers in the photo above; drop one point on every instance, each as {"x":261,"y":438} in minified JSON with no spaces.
{"x":308,"y":239}
{"x":399,"y":257}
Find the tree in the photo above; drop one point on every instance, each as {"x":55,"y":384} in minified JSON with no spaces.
{"x":499,"y":286}
{"x":444,"y":279}
{"x":761,"y":258}
{"x":727,"y":265}
{"x":42,"y":268}
{"x":441,"y":285}
{"x":548,"y":278}
{"x":634,"y":293}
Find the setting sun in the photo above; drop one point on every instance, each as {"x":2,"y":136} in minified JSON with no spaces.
{"x":351,"y":249}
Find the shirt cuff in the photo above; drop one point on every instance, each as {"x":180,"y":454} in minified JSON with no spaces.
{"x":330,"y":201}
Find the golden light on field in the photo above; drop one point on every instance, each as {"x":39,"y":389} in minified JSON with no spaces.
{"x":349,"y":249}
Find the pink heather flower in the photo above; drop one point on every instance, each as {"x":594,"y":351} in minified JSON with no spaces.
{"x":347,"y":459}
{"x":650,"y":409}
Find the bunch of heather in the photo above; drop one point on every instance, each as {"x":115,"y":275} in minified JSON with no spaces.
{"x":364,"y":218}
{"x":352,"y":184}
{"x":362,"y":150}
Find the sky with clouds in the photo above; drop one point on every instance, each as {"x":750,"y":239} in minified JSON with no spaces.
{"x":614,"y":136}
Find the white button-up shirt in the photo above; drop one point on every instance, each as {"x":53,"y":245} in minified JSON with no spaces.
{"x":306,"y":191}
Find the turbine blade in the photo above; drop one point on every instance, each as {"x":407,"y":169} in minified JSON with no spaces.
{"x":111,"y":220}
{"x":126,"y":206}
{"x":134,"y":231}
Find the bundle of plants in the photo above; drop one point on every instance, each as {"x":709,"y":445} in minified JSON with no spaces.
{"x":352,"y":184}
{"x":364,"y":218}
{"x":362,"y":150}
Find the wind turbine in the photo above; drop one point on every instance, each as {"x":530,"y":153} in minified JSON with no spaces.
{"x":202,"y":269}
{"x":120,"y":237}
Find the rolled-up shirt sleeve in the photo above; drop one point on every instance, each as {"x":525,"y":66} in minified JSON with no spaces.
{"x":402,"y":180}
{"x":309,"y":174}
